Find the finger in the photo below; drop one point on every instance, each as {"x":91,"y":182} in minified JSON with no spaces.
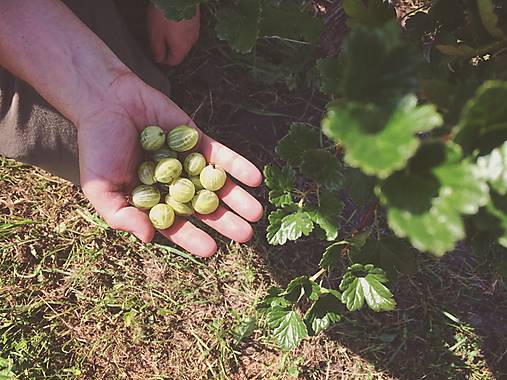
{"x":228,"y":224}
{"x":240,"y":201}
{"x":117,"y":213}
{"x":238,"y":166}
{"x":190,"y":238}
{"x":158,"y":47}
{"x":177,"y":53}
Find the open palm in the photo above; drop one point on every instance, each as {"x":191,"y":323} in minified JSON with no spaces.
{"x":109,"y":154}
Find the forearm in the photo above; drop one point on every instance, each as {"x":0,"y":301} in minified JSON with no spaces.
{"x":46,"y":45}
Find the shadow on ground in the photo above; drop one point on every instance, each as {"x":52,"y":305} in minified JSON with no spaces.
{"x":451,"y":320}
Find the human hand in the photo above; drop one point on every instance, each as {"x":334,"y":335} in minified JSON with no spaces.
{"x":171,"y":41}
{"x":109,"y":153}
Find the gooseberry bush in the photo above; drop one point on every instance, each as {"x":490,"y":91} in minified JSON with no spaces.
{"x":414,"y":137}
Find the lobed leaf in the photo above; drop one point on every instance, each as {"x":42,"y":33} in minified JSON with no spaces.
{"x":301,"y":138}
{"x":281,"y":183}
{"x":239,"y":26}
{"x":366,"y":283}
{"x":493,"y":168}
{"x":376,"y":144}
{"x":483,"y":123}
{"x":324,"y":312}
{"x":426,"y":201}
{"x":389,"y":253}
{"x":288,"y":224}
{"x":323,"y":167}
{"x":288,"y":327}
{"x":378,"y":65}
{"x":327,"y":214}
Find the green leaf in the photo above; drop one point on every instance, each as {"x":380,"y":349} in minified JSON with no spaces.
{"x":366,"y":283}
{"x":330,"y":72}
{"x":323,"y":167}
{"x":389,"y":253}
{"x":371,"y":13}
{"x":323,"y":313}
{"x":288,"y":327}
{"x":244,"y":329}
{"x":483,"y":123}
{"x":493,"y":218}
{"x":6,"y":369}
{"x":281,"y":183}
{"x":378,"y":65}
{"x":493,"y":168}
{"x":332,"y":255}
{"x":425,"y":201}
{"x":301,"y":138}
{"x":288,"y":19}
{"x":240,"y":26}
{"x":275,"y":297}
{"x":375,"y":145}
{"x":489,"y":17}
{"x":178,"y":10}
{"x":309,"y":287}
{"x":286,"y":224}
{"x":327,"y":214}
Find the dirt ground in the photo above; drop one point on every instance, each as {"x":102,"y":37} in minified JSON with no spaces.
{"x":80,"y":301}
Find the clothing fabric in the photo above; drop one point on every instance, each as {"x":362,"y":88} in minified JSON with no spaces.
{"x":32,"y":131}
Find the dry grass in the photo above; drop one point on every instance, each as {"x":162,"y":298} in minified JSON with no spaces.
{"x":80,"y":301}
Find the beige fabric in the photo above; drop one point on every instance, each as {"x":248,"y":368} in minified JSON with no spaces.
{"x":32,"y":131}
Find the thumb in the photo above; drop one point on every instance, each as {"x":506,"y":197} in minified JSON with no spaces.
{"x":117,"y":213}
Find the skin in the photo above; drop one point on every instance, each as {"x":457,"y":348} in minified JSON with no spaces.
{"x":171,"y":41}
{"x":45,"y":44}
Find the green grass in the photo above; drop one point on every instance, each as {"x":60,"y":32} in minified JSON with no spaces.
{"x":80,"y":301}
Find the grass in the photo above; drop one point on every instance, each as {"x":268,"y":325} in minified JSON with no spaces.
{"x":81,"y":301}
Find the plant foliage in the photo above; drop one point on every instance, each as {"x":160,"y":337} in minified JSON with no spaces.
{"x":416,"y":127}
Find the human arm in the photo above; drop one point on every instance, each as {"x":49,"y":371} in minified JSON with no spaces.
{"x":45,"y":44}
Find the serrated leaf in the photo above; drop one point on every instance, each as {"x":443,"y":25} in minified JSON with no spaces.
{"x":288,"y":19}
{"x":288,"y":327}
{"x":239,"y":26}
{"x":300,"y":138}
{"x":389,"y":253}
{"x":483,"y":123}
{"x":425,"y":203}
{"x":327,"y":214}
{"x":274,"y":298}
{"x":366,"y":283}
{"x":323,"y":313}
{"x":288,"y":225}
{"x":281,"y":183}
{"x":371,"y":13}
{"x":330,"y":72}
{"x":178,"y":10}
{"x":493,"y":168}
{"x":309,"y":287}
{"x":323,"y":167}
{"x":332,"y":255}
{"x":378,"y":65}
{"x":489,"y":17}
{"x":244,"y":329}
{"x":375,"y":145}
